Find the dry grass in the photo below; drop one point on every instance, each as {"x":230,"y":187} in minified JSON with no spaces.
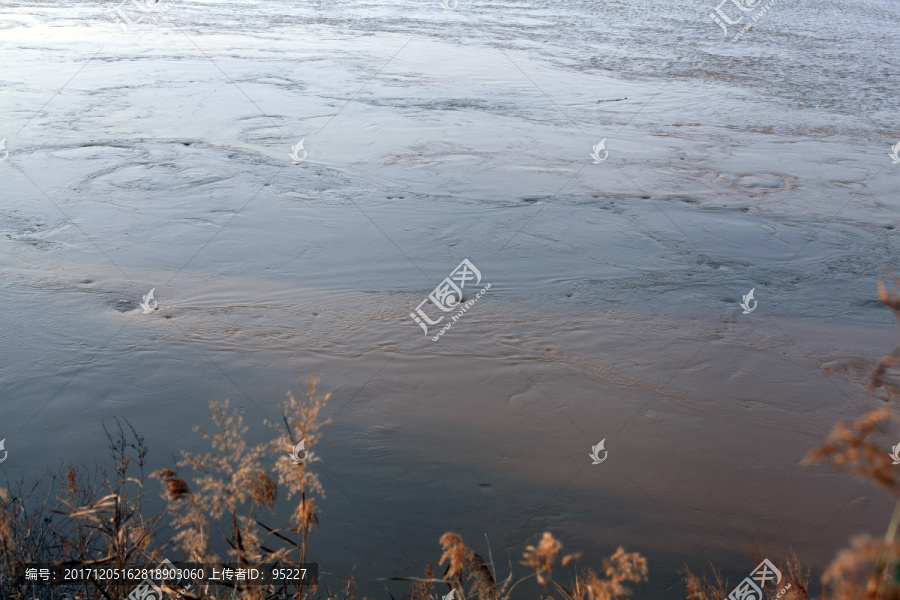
{"x":470,"y":576}
{"x":75,"y":516}
{"x":227,"y":493}
{"x":234,"y":483}
{"x":794,"y":579}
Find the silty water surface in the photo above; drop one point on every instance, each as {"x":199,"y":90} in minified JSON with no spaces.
{"x":434,"y":136}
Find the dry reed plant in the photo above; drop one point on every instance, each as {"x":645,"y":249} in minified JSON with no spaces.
{"x":103,"y":523}
{"x":230,"y":488}
{"x":300,"y":421}
{"x":702,"y":588}
{"x":234,"y":482}
{"x":469,"y":576}
{"x":98,"y":520}
{"x":24,"y":537}
{"x":112,"y":530}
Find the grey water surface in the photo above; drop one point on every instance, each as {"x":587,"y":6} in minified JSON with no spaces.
{"x":434,"y":136}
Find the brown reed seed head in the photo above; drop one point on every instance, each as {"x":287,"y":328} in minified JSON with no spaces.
{"x":300,"y":421}
{"x":483,"y":584}
{"x":542,"y":557}
{"x":889,"y":297}
{"x":619,"y":568}
{"x":851,"y":576}
{"x":7,"y":517}
{"x":570,"y":558}
{"x":850,"y":447}
{"x":463,"y":562}
{"x":263,"y":490}
{"x":175,"y":488}
{"x":626,"y":566}
{"x":456,"y":552}
{"x":886,"y":378}
{"x":846,"y":565}
{"x":71,"y":480}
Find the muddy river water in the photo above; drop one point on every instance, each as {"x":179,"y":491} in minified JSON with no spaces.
{"x":431,"y":136}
